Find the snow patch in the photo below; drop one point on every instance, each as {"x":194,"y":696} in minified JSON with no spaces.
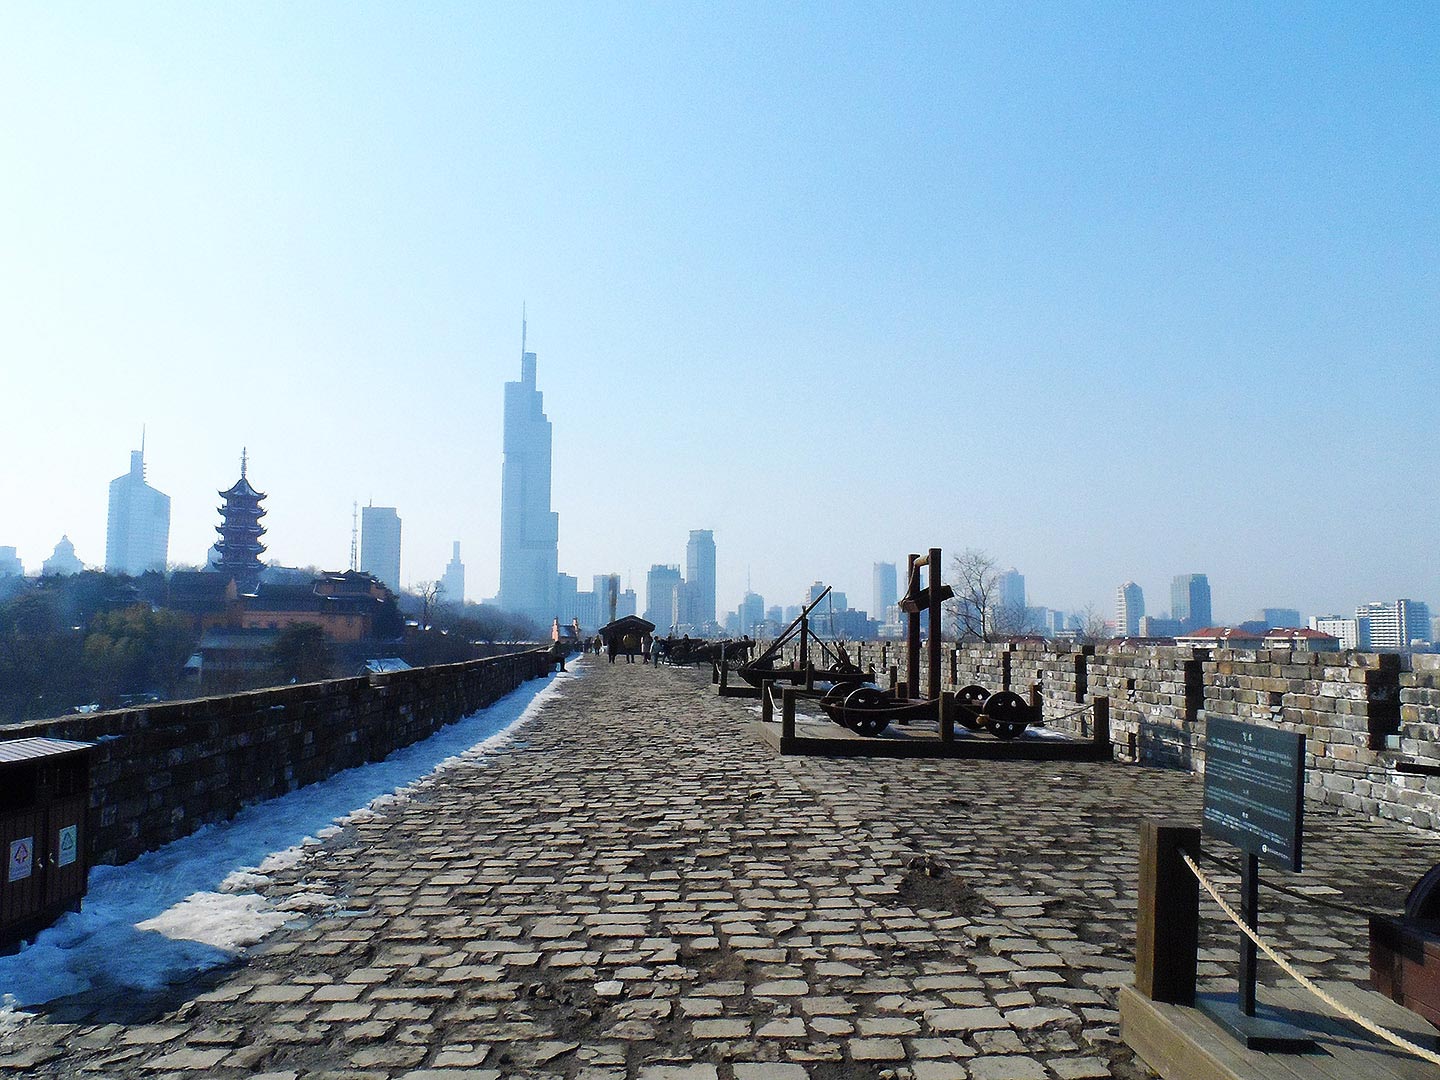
{"x":191,"y":905}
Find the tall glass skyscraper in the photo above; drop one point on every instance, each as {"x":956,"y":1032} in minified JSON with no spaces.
{"x":700,"y":576}
{"x":1190,"y":601}
{"x":529,"y":529}
{"x":137,"y":528}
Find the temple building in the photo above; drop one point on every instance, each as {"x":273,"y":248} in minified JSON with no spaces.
{"x":237,"y":553}
{"x":62,"y":560}
{"x":529,"y":529}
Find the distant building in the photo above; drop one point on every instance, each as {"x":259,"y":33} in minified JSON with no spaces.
{"x":1220,"y":637}
{"x":137,"y":526}
{"x":1344,"y":630}
{"x":1301,"y":640}
{"x":380,"y":544}
{"x":1129,"y":609}
{"x":1010,"y":592}
{"x":626,"y":604}
{"x":452,"y":582}
{"x":1281,"y":617}
{"x":1190,"y":601}
{"x":700,"y":576}
{"x":529,"y":529}
{"x":884,"y":588}
{"x":661,"y":585}
{"x":1153,"y":626}
{"x":63,"y":561}
{"x":776,"y":614}
{"x":236,"y":554}
{"x":751,"y":613}
{"x":567,"y":599}
{"x":1392,"y":624}
{"x":10,"y":564}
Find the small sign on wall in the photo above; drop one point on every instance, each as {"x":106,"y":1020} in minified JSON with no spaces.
{"x":67,"y":845}
{"x":22,"y":856}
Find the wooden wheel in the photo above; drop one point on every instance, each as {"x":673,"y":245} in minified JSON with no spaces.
{"x":1006,"y":714}
{"x":969,"y":700}
{"x":861,"y":710}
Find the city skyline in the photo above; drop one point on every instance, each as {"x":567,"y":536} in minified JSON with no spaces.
{"x":1212,"y":228}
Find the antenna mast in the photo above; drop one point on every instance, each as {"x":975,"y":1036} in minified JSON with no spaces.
{"x":355,"y":535}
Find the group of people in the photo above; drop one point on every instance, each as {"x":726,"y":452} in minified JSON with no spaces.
{"x":651,"y":648}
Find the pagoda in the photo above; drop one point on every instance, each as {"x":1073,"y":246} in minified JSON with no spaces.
{"x":237,"y":552}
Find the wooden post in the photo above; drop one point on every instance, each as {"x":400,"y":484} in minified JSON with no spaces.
{"x":936,"y":627}
{"x":947,"y":718}
{"x":1102,"y":720}
{"x":787,"y":720}
{"x":767,"y":702}
{"x":954,"y":667}
{"x":809,"y":676}
{"x":912,"y":634}
{"x":1167,"y":920}
{"x":804,"y":657}
{"x":1037,"y":703}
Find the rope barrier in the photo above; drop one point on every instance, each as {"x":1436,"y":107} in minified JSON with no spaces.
{"x":1334,"y":905}
{"x":1285,"y":966}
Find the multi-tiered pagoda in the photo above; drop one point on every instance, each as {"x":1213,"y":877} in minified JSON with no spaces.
{"x":237,"y":552}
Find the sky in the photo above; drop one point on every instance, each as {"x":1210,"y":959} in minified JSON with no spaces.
{"x":1108,"y":291}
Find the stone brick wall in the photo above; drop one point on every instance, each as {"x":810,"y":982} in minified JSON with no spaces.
{"x":1364,"y":715}
{"x":163,"y":771}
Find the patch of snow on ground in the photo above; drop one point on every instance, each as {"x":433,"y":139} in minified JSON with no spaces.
{"x":191,"y":906}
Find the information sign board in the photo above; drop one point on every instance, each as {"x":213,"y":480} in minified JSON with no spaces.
{"x":1255,"y":789}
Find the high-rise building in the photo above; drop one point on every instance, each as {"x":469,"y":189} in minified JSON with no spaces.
{"x":137,"y":527}
{"x":1342,"y":629}
{"x":1392,"y":624}
{"x":1129,"y":607}
{"x":752,"y":613}
{"x":700,"y":575}
{"x":884,"y":589}
{"x":661,"y":585}
{"x":567,"y":598}
{"x":10,"y":564}
{"x":63,"y":560}
{"x":529,"y":529}
{"x":1010,"y":593}
{"x":380,"y":544}
{"x":237,"y":552}
{"x":452,"y":582}
{"x":1274,"y":617}
{"x":1190,"y":601}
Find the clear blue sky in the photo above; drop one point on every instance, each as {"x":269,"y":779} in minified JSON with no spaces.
{"x":1169,"y":273}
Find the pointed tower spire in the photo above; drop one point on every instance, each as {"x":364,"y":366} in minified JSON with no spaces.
{"x":522,"y":330}
{"x":244,"y":458}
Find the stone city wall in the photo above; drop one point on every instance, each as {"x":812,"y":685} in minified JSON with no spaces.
{"x":163,"y":771}
{"x":1364,"y":715}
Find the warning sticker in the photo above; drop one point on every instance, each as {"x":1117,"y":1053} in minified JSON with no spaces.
{"x":22,"y":854}
{"x":67,"y":844}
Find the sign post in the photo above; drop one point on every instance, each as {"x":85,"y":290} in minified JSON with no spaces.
{"x":1254,"y":799}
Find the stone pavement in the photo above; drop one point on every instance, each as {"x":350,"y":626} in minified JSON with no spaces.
{"x":638,"y":887}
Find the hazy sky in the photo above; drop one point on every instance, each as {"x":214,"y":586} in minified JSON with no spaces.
{"x":1110,"y":291}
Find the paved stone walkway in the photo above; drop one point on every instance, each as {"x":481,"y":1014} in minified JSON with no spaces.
{"x":638,"y":887}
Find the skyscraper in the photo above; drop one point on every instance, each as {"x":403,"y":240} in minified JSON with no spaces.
{"x":1190,"y":601}
{"x":529,"y":529}
{"x":1010,"y":594}
{"x":700,"y":575}
{"x":884,"y":590}
{"x":1129,"y":608}
{"x":1392,"y":624}
{"x":751,"y":612}
{"x":380,"y":544}
{"x":662,"y":584}
{"x":452,"y":583}
{"x":137,"y":528}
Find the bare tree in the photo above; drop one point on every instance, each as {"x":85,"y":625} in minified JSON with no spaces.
{"x":977,"y":613}
{"x":1092,"y":626}
{"x":429,"y":594}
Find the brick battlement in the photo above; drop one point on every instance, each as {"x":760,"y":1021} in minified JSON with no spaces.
{"x":1362,"y":714}
{"x":163,"y":771}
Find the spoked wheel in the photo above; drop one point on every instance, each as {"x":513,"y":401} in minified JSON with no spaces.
{"x":861,"y":710}
{"x":1006,"y":714}
{"x":970,"y":700}
{"x":835,"y":697}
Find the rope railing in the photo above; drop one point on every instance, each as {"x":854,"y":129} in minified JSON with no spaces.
{"x":1318,"y":901}
{"x":1289,"y":969}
